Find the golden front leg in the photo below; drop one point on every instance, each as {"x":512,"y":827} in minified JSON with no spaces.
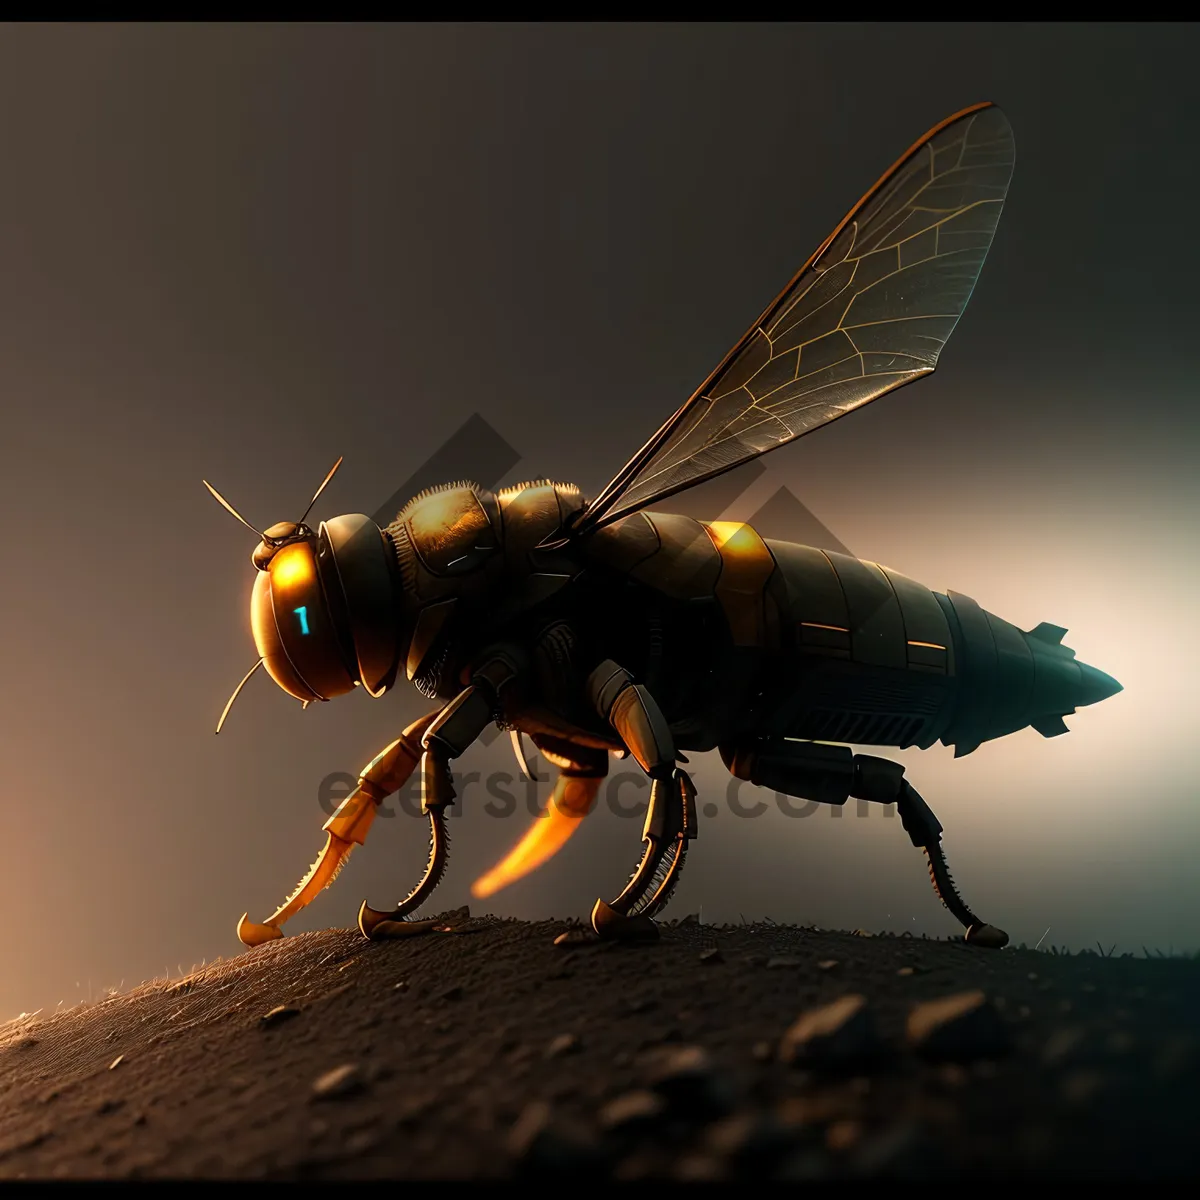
{"x":348,"y":827}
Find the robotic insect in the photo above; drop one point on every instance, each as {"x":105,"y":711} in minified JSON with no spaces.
{"x":602,"y":627}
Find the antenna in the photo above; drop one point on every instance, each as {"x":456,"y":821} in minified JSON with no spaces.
{"x":237,"y":690}
{"x":230,"y":509}
{"x":332,"y":472}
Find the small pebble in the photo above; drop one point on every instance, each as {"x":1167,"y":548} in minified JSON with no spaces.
{"x":362,"y":1141}
{"x":953,"y":1075}
{"x":341,"y":1081}
{"x":699,"y":1168}
{"x":753,"y":1139}
{"x":711,"y":955}
{"x":631,"y":1111}
{"x":278,"y":1015}
{"x":959,"y":1028}
{"x":576,"y":937}
{"x":688,"y":1080}
{"x":840,"y":1034}
{"x":543,"y":1145}
{"x":565,"y":1043}
{"x":1063,"y":1045}
{"x":842,"y":1135}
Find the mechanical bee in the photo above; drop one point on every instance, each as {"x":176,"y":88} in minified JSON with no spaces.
{"x":603,"y":627}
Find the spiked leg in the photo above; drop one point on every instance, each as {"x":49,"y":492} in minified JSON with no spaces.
{"x":925,"y":831}
{"x":670,"y":826}
{"x":831,"y":775}
{"x":446,"y":737}
{"x":347,"y":828}
{"x":374,"y":924}
{"x":437,"y":795}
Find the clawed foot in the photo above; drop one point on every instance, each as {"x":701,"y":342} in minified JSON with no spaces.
{"x":386,"y":930}
{"x":614,"y":926}
{"x":381,"y":926}
{"x":988,"y":936}
{"x":250,"y":934}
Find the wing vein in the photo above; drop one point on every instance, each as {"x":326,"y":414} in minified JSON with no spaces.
{"x":797,"y":367}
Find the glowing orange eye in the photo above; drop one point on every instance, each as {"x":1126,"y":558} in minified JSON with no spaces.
{"x":292,"y":566}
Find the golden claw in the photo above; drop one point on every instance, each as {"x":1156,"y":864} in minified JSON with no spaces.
{"x":250,"y":934}
{"x":320,"y":875}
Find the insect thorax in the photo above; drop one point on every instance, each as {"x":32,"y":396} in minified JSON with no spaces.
{"x":468,"y":565}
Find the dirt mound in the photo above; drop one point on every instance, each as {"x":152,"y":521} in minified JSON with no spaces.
{"x":488,"y":1050}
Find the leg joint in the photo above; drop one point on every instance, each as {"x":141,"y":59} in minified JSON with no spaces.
{"x":876,"y":779}
{"x":808,"y":770}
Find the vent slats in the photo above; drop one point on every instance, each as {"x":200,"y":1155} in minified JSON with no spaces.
{"x":867,"y":729}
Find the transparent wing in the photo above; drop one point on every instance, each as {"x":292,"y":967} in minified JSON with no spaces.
{"x":868,"y":313}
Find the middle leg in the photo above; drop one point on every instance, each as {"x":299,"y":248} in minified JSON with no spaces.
{"x":670,"y":826}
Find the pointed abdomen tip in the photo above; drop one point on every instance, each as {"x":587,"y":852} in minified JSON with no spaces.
{"x":1095,"y":685}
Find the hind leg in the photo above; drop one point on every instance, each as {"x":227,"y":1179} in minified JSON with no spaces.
{"x":831,"y":775}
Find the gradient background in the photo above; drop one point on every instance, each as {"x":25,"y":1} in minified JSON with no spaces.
{"x":237,"y":253}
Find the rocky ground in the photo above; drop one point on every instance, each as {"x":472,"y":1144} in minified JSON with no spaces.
{"x":485,"y":1049}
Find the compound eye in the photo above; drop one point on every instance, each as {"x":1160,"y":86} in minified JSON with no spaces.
{"x":270,"y":645}
{"x":303,"y":655}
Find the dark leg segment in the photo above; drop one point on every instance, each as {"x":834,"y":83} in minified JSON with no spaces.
{"x":833,"y":774}
{"x":670,"y":826}
{"x":437,"y":795}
